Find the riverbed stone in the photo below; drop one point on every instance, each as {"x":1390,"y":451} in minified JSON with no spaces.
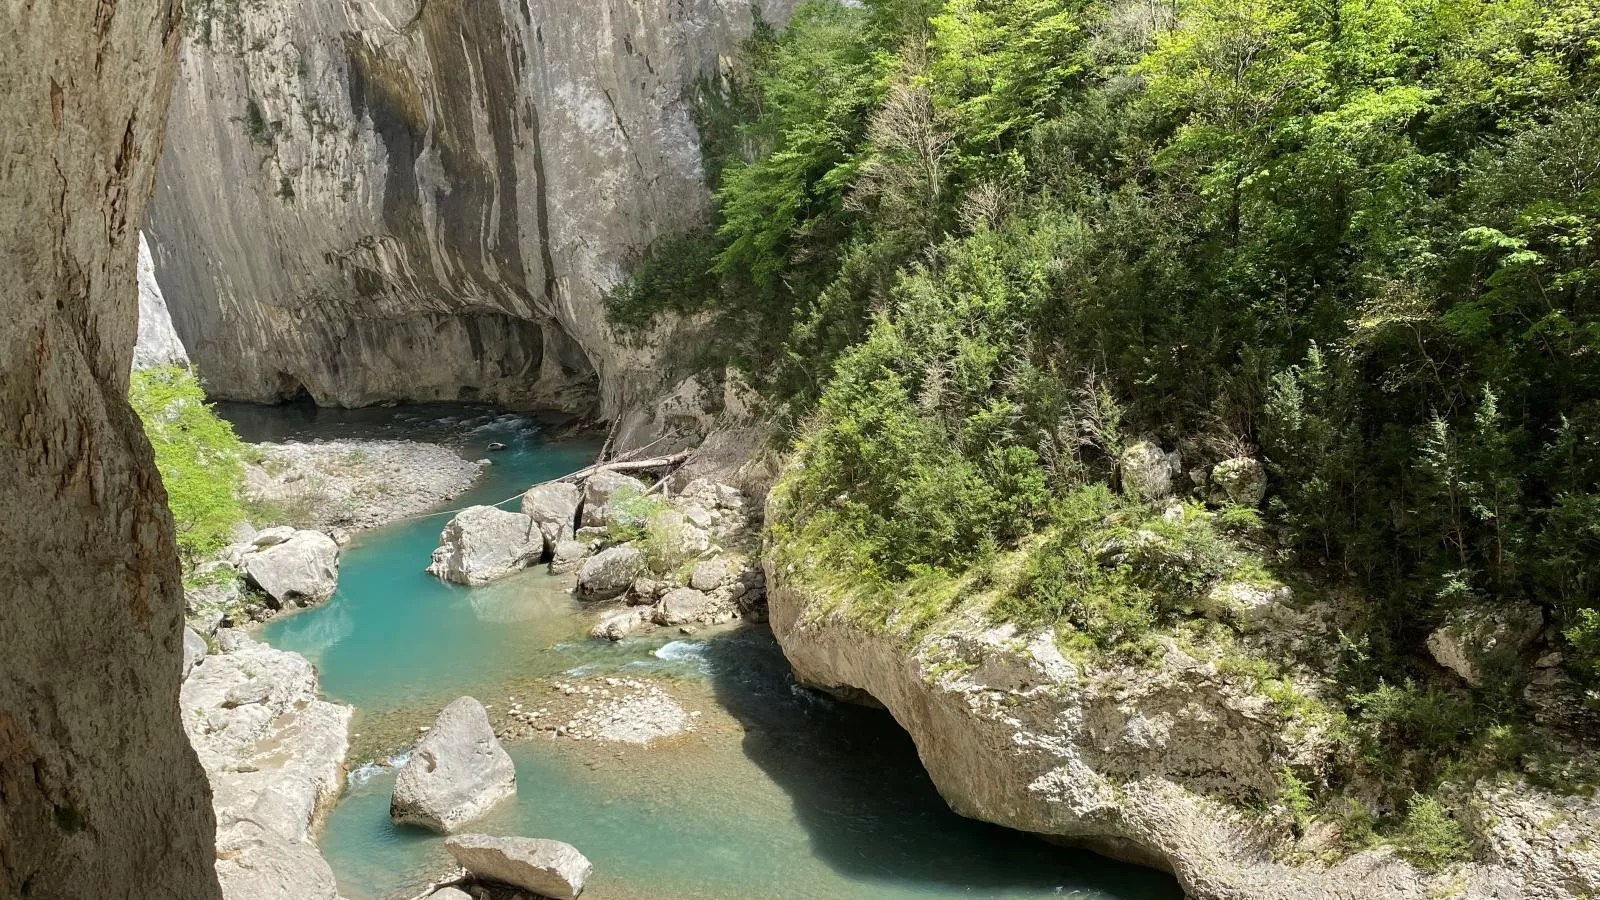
{"x":601,"y":489}
{"x":609,"y":573}
{"x":547,"y":868}
{"x":568,"y":557}
{"x":300,"y":570}
{"x":483,"y":543}
{"x":553,"y":507}
{"x":681,"y":606}
{"x":615,"y":625}
{"x":710,"y":574}
{"x":456,"y":773}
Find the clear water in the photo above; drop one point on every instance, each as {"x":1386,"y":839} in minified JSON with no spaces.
{"x":779,"y":793}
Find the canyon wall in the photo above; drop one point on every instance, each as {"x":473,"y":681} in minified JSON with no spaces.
{"x":100,"y":793}
{"x":427,"y":199}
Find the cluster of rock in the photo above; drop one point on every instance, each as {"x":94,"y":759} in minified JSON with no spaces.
{"x":612,"y":710}
{"x":1149,"y":472}
{"x":264,"y":573}
{"x":274,"y":753}
{"x":674,"y":560}
{"x":358,"y":483}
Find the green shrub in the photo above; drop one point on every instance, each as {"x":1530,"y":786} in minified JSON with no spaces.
{"x":1429,"y":837}
{"x":198,"y":455}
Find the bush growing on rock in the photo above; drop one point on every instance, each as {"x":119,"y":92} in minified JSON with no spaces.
{"x":199,"y":457}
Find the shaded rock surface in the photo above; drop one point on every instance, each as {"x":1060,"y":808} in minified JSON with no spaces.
{"x":553,"y":508}
{"x":457,"y":772}
{"x":547,"y":868}
{"x":483,"y":543}
{"x":609,"y":573}
{"x":101,"y":791}
{"x":274,"y":754}
{"x":1480,"y":640}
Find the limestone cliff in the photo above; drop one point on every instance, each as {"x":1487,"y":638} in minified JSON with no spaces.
{"x":426,"y":199}
{"x":1156,"y":762}
{"x":158,"y":343}
{"x":100,"y":793}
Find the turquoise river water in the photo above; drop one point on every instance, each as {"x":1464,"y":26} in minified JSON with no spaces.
{"x":778,"y":793}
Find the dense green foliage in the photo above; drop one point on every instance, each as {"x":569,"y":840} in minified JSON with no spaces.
{"x":980,"y":244}
{"x":200,"y":459}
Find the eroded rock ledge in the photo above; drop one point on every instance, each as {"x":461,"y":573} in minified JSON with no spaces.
{"x":1144,"y":764}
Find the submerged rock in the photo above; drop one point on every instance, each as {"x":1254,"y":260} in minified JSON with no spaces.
{"x":553,"y":508}
{"x":548,"y":868}
{"x":609,"y":573}
{"x":297,"y":569}
{"x":457,"y":772}
{"x":483,"y":543}
{"x":615,"y":625}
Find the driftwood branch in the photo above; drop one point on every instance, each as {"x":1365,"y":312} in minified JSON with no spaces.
{"x":629,"y":465}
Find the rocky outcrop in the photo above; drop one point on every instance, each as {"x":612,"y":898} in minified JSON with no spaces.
{"x":1241,"y":480}
{"x":102,"y":792}
{"x":1146,"y":471}
{"x":1481,"y":640}
{"x":547,"y":868}
{"x":609,"y":573}
{"x":457,"y":772}
{"x":1149,"y":763}
{"x":483,"y":543}
{"x":274,"y":755}
{"x":158,"y":343}
{"x":427,"y":200}
{"x":294,"y":568}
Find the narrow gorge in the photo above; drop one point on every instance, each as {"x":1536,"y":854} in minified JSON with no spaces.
{"x":882,"y":449}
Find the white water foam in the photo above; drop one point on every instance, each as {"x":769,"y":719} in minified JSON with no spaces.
{"x":365,"y":773}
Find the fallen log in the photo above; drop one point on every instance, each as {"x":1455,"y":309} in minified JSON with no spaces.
{"x":629,"y":465}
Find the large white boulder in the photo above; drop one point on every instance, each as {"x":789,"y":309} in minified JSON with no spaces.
{"x":601,"y":489}
{"x":609,"y":573}
{"x":483,"y":543}
{"x":194,"y":650}
{"x":298,"y":569}
{"x":547,"y":868}
{"x":457,"y":772}
{"x":553,"y":508}
{"x":681,"y":606}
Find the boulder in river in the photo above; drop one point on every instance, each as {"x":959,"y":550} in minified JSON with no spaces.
{"x":609,"y":573}
{"x":457,"y":772}
{"x":483,"y":543}
{"x":301,"y":569}
{"x":547,"y":868}
{"x":615,"y":625}
{"x":553,"y":507}
{"x":568,"y":556}
{"x":681,"y":606}
{"x":601,"y":489}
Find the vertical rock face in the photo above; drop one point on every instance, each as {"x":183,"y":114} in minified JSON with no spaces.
{"x":426,"y":199}
{"x":158,"y":343}
{"x":101,"y":791}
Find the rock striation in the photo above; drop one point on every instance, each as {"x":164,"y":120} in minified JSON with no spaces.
{"x":102,"y":792}
{"x":457,"y":772}
{"x":427,"y":199}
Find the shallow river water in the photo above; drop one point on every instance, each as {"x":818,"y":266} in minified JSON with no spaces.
{"x":778,"y":793}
